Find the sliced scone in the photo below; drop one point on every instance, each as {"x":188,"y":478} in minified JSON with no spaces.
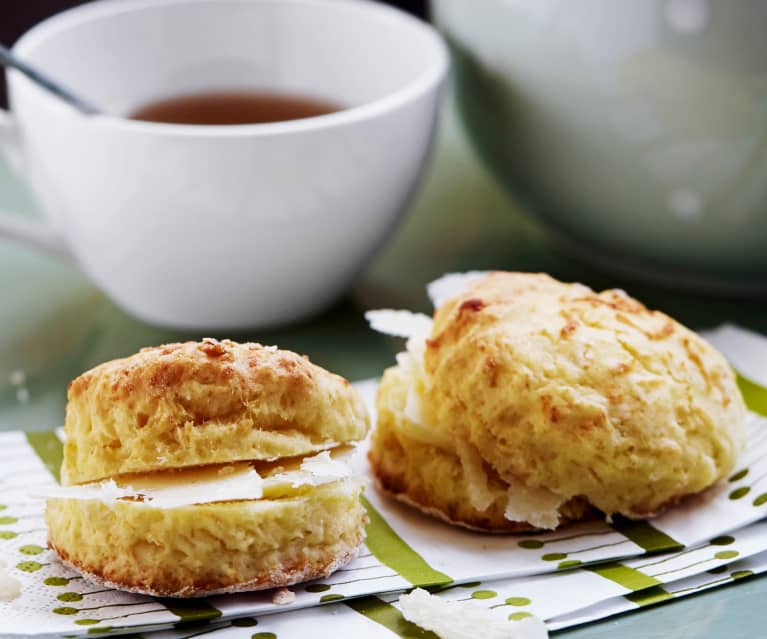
{"x":193,"y":469}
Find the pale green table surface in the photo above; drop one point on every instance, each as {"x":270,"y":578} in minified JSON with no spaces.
{"x":56,"y":325}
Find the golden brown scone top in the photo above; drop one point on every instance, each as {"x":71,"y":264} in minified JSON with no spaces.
{"x":197,"y":403}
{"x":582,"y":393}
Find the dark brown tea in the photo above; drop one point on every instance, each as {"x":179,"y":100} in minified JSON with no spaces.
{"x":232,"y":107}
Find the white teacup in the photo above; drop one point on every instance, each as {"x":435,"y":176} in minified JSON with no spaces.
{"x":223,"y":226}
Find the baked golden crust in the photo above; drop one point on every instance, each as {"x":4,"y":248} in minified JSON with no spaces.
{"x":205,"y":549}
{"x":200,"y":403}
{"x":430,"y":476}
{"x":582,"y":393}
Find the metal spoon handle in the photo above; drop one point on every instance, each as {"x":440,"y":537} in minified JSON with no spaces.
{"x":9,"y":60}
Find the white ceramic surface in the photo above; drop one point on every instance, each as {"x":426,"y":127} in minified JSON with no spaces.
{"x":224,"y":226}
{"x":637,"y":129}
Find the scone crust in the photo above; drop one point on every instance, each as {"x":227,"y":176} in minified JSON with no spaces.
{"x":198,"y":403}
{"x":431,"y":477}
{"x":583,"y":393}
{"x":207,"y":549}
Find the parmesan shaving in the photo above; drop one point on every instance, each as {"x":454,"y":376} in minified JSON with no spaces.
{"x":400,"y":323}
{"x":246,"y":484}
{"x":414,"y":359}
{"x":416,"y":425}
{"x":320,"y":469}
{"x":170,"y":490}
{"x":413,"y":406}
{"x":416,"y":348}
{"x":207,"y":485}
{"x":283,"y":597}
{"x":417,"y":328}
{"x":104,"y":491}
{"x":451,"y":284}
{"x":10,"y":587}
{"x":481,"y":496}
{"x":537,"y":506}
{"x":465,"y":620}
{"x":425,"y":434}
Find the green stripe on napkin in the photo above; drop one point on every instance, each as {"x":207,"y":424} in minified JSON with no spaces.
{"x":648,"y":597}
{"x":645,"y":535}
{"x":190,"y":611}
{"x":389,"y":617}
{"x":389,"y":548}
{"x":624,"y":576}
{"x":754,"y":394}
{"x":49,"y":449}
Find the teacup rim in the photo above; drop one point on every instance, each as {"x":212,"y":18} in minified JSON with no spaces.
{"x":433,"y":75}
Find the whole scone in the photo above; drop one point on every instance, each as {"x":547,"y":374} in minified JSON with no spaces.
{"x":551,"y":399}
{"x":208,"y":467}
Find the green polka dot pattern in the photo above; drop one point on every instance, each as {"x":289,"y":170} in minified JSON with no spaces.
{"x":70,"y":597}
{"x":31,"y":549}
{"x":741,"y":574}
{"x":530,"y":544}
{"x":516,"y":616}
{"x":327,"y":598}
{"x":724,"y":540}
{"x":517,"y":601}
{"x":245,"y":622}
{"x":739,"y":475}
{"x":56,"y":581}
{"x":317,"y":588}
{"x":554,"y":556}
{"x":739,"y":493}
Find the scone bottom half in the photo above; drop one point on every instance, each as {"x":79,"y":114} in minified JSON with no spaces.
{"x":208,"y":467}
{"x":526,"y":403}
